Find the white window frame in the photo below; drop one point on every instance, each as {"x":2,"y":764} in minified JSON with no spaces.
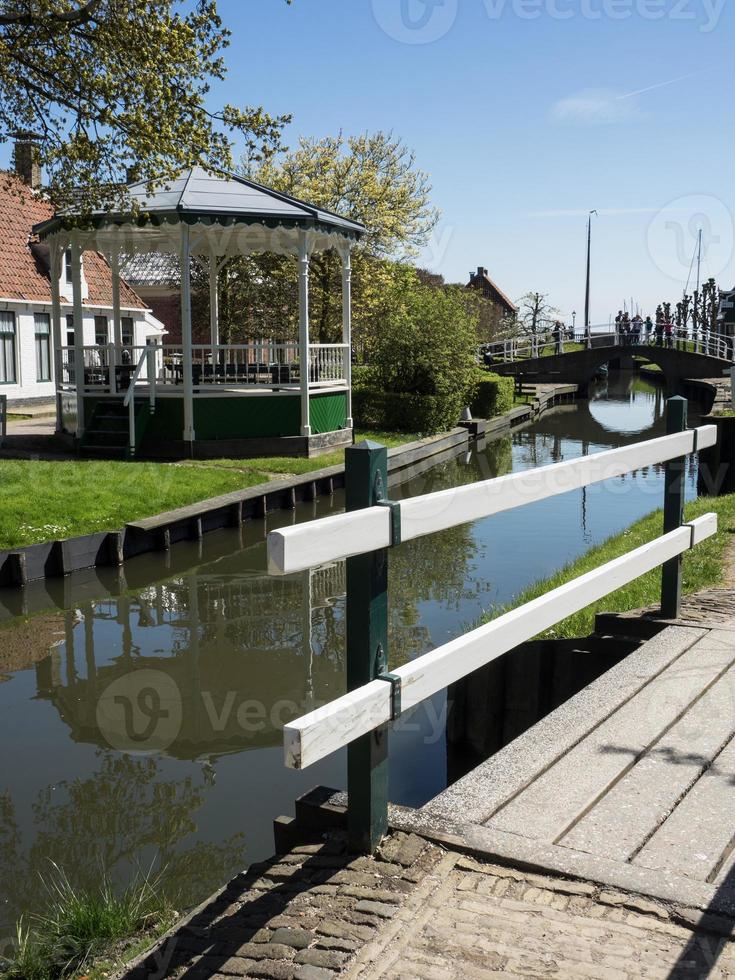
{"x":13,"y":362}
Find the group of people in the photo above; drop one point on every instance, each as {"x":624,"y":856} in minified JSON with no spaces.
{"x":637,"y":330}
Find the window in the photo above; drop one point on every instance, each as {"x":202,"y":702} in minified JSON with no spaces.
{"x":127,"y":328}
{"x":43,"y":346}
{"x":7,"y":348}
{"x":101,"y":331}
{"x":67,"y":265}
{"x":69,"y":330}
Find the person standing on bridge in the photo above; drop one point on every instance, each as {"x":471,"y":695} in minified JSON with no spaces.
{"x":637,"y":326}
{"x":648,"y":325}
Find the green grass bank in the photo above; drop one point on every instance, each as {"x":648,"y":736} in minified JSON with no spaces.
{"x":46,"y":500}
{"x":706,"y":566}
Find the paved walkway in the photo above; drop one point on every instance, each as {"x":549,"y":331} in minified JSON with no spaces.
{"x":421,"y":912}
{"x":473,"y":920}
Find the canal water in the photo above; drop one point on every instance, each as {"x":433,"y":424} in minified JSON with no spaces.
{"x":141,"y":709}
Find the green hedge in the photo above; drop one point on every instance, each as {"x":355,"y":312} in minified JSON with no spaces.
{"x":493,"y":395}
{"x":406,"y":412}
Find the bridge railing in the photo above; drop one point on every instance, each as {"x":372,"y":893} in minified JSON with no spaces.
{"x":708,"y":343}
{"x":372,"y":525}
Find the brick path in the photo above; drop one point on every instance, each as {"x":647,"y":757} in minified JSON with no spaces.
{"x":417,"y":912}
{"x":473,"y":921}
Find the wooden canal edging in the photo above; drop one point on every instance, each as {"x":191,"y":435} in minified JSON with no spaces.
{"x":54,"y":559}
{"x":372,"y":524}
{"x":112,"y":548}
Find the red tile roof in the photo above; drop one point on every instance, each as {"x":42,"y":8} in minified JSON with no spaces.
{"x":24,"y":272}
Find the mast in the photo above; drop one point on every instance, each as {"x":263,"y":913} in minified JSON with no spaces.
{"x":589,"y":269}
{"x":699,"y":280}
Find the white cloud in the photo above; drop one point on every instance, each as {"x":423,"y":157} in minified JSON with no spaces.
{"x":596,"y":107}
{"x":603,"y":107}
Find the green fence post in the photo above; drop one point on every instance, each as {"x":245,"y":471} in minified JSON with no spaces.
{"x":676,"y":421}
{"x":366,"y":482}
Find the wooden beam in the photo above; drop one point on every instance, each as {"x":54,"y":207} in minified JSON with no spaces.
{"x":325,"y":730}
{"x":343,"y":535}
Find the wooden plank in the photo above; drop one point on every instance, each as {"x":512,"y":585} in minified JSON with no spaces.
{"x":620,"y":824}
{"x":344,"y":535}
{"x":327,"y":729}
{"x":564,"y":793}
{"x":698,"y":836}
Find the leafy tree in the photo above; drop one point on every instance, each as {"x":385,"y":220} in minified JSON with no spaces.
{"x":370,"y":178}
{"x":422,"y":361}
{"x":109,"y":85}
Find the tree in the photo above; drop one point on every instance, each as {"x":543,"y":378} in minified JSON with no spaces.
{"x":536,"y":314}
{"x":110,"y":85}
{"x":370,"y":178}
{"x":423,"y":360}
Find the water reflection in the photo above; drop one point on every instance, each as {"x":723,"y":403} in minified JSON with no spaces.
{"x":144,"y":718}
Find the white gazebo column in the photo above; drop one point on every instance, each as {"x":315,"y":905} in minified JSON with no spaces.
{"x":347,"y":329}
{"x":187,"y":361}
{"x":76,"y":285}
{"x":56,"y":252}
{"x":214,"y":301}
{"x":304,"y":354}
{"x":116,"y":318}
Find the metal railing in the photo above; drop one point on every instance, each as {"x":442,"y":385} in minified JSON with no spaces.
{"x":717,"y":345}
{"x":372,"y":525}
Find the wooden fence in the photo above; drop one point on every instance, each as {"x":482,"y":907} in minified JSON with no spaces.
{"x":372,"y":525}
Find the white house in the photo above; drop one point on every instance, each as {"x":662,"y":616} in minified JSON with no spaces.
{"x":27,"y":368}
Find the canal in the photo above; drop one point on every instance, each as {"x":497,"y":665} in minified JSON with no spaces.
{"x":141,"y":708}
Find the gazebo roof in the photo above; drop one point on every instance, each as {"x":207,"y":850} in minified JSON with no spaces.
{"x":196,"y":196}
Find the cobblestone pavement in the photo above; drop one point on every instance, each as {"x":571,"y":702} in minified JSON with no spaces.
{"x":418,"y":912}
{"x":473,"y":921}
{"x":299,"y":917}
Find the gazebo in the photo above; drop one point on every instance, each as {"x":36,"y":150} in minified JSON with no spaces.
{"x":202,"y":400}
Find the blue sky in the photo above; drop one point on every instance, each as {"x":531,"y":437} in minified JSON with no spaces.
{"x":516,"y":114}
{"x":526,"y":114}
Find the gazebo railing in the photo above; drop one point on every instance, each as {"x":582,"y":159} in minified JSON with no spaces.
{"x":328,"y":362}
{"x":108,"y":369}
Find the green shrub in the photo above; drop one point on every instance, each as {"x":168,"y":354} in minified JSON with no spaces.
{"x":405,"y":412}
{"x":491,"y":395}
{"x":422,"y":362}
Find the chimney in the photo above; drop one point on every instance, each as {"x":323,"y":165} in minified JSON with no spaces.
{"x":26,"y":159}
{"x":480,"y":271}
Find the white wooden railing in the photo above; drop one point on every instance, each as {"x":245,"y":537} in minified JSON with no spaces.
{"x":717,"y":345}
{"x":359,"y":532}
{"x":266,"y":365}
{"x":147,"y":363}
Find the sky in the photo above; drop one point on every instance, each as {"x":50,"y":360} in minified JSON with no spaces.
{"x":526,"y":114}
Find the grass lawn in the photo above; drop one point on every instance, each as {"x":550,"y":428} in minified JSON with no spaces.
{"x":284,"y":466}
{"x":704,"y":567}
{"x":46,"y":501}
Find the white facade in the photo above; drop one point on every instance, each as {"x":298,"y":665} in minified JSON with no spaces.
{"x":27,"y":369}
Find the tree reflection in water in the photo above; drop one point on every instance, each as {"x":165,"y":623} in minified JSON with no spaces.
{"x":122,"y":818}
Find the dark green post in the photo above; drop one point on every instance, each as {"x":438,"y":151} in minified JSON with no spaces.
{"x":366,"y":482}
{"x":676,"y":421}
